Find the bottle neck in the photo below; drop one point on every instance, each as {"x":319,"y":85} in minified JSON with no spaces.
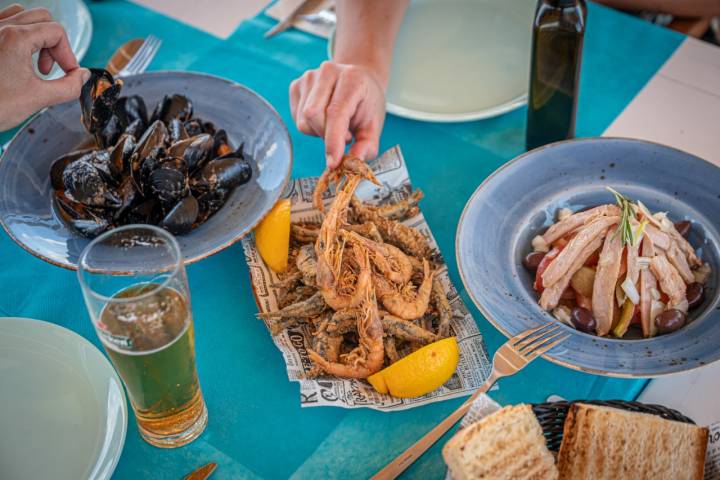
{"x":563,"y":3}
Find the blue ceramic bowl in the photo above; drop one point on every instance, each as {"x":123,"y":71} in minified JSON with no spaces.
{"x":26,"y":210}
{"x":521,"y":199}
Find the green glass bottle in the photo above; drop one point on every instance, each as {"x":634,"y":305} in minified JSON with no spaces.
{"x":558,"y":34}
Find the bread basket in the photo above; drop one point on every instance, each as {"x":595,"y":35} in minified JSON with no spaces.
{"x":551,"y":415}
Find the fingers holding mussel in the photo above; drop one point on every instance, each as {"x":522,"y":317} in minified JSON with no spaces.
{"x":167,"y":168}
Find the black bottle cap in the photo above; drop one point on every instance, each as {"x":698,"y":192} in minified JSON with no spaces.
{"x":565,"y":3}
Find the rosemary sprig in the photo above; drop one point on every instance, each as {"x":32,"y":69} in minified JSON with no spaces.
{"x":627,"y":209}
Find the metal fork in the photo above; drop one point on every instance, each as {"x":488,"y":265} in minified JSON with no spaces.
{"x":509,"y":359}
{"x":142,"y":58}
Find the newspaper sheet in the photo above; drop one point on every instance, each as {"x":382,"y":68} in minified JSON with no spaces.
{"x":293,"y":343}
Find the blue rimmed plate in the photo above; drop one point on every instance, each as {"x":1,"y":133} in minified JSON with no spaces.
{"x":520,"y":200}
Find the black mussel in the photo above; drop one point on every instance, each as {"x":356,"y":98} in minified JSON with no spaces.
{"x":136,"y":129}
{"x":58,"y":167}
{"x":173,"y":106}
{"x":132,"y":109}
{"x":84,"y":183}
{"x":155,"y":136}
{"x":148,"y":211}
{"x":209,"y":128}
{"x":120,"y":155}
{"x":211,"y":202}
{"x":193,"y":127}
{"x":182,"y":216}
{"x":80,"y":218}
{"x":97,"y":99}
{"x":168,"y":184}
{"x":108,"y":135}
{"x":177,"y":130}
{"x":229,"y":171}
{"x":100,"y":159}
{"x":221,"y":144}
{"x":142,"y":167}
{"x":127,"y":193}
{"x":195,"y":150}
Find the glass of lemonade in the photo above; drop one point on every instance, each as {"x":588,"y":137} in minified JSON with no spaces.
{"x":134,"y":283}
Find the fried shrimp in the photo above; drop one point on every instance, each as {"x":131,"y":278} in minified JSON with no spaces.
{"x":388,"y":259}
{"x":405,"y":302}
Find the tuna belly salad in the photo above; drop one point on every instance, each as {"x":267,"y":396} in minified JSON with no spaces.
{"x":615,"y":268}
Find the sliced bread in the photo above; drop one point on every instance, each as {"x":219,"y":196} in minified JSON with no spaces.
{"x":603,"y":443}
{"x":509,"y":444}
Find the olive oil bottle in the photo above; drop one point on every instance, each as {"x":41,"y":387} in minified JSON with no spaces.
{"x":558,"y":34}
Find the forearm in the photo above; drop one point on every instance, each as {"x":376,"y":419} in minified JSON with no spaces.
{"x":366,"y":32}
{"x":684,"y":8}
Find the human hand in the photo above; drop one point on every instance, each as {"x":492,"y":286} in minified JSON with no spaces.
{"x":22,"y":92}
{"x":339,"y":102}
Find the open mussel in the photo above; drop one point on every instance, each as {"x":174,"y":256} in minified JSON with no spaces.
{"x":173,"y":106}
{"x":58,"y":166}
{"x":194,"y":150}
{"x":79,"y":217}
{"x":177,"y":130}
{"x":132,"y":111}
{"x":97,"y":103}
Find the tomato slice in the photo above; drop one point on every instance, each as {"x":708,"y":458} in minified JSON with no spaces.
{"x":544,"y":263}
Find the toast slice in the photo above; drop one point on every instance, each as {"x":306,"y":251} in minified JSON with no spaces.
{"x":509,"y":444}
{"x":602,"y":443}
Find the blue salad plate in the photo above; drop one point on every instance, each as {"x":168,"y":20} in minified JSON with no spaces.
{"x":521,"y":199}
{"x":26,"y":208}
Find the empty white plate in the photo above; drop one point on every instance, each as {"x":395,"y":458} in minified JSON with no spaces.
{"x":459,"y":60}
{"x":63,"y":413}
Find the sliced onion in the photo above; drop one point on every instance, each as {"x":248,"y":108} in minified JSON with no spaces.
{"x":539,"y":244}
{"x":629,"y":288}
{"x":646,"y":213}
{"x":562,"y":313}
{"x":665,"y":224}
{"x":620,"y":296}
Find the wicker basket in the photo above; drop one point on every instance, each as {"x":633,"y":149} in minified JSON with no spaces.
{"x":551,"y":415}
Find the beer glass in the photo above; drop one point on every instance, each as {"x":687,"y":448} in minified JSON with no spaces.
{"x":134,"y":283}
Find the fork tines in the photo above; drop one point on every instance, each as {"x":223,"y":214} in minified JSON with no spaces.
{"x":538,"y":340}
{"x":142,"y":58}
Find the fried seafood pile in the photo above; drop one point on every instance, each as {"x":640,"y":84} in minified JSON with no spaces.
{"x":363,"y":282}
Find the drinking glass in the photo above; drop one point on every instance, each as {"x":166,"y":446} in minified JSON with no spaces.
{"x":134,"y":283}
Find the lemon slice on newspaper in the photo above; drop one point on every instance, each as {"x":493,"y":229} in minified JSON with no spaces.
{"x":420,"y":372}
{"x":272,"y":236}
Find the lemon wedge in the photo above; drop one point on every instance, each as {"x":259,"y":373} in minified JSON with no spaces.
{"x":272,"y":236}
{"x":420,"y":372}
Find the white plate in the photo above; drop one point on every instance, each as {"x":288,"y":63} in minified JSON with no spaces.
{"x":460,"y":60}
{"x":73,"y":15}
{"x":63,"y":413}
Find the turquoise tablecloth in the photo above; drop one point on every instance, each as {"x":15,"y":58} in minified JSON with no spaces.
{"x":257,"y":428}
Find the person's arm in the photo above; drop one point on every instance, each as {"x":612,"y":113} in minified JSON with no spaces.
{"x":680,"y":8}
{"x":22,"y":92}
{"x":345,"y":98}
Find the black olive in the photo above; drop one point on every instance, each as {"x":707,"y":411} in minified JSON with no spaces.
{"x":695,"y":293}
{"x":670,"y":320}
{"x":532,"y":260}
{"x":683,"y":227}
{"x":583,"y":320}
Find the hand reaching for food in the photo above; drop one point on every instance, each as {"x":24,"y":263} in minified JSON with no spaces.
{"x":22,"y":92}
{"x":344,"y":99}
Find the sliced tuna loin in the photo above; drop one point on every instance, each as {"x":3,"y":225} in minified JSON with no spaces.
{"x":608,"y":270}
{"x":670,"y":280}
{"x":648,"y":283}
{"x":576,"y":220}
{"x":566,"y":258}
{"x":551,"y":296}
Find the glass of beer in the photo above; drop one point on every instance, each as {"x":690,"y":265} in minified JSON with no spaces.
{"x":134,"y":283}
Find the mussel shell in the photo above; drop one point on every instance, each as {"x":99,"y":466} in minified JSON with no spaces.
{"x":100,"y":159}
{"x":147,"y":212}
{"x":136,"y":129}
{"x":209,"y":128}
{"x":173,"y":106}
{"x":58,"y":167}
{"x":108,"y":134}
{"x":193,"y":127}
{"x":211,"y":202}
{"x":168,"y":184}
{"x":97,"y":99}
{"x":177,"y":131}
{"x":120,"y":155}
{"x":228,"y":171}
{"x":130,"y":109}
{"x":194,"y":150}
{"x":219,"y":138}
{"x":127,"y":193}
{"x":181,"y":218}
{"x":155,"y":136}
{"x":84,"y":183}
{"x":79,"y":217}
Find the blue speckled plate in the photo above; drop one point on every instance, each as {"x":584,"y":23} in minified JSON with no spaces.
{"x":520,"y":200}
{"x":26,"y":210}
